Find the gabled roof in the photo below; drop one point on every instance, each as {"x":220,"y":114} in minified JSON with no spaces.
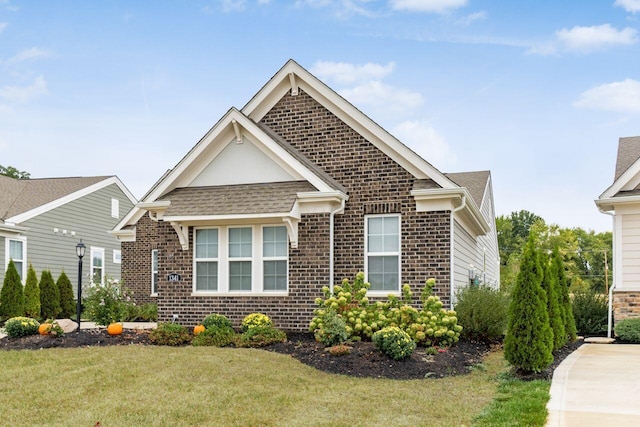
{"x":474,"y":182}
{"x":627,"y":175}
{"x":21,"y":200}
{"x":292,"y":76}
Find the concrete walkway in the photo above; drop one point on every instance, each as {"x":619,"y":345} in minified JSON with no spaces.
{"x":597,"y":385}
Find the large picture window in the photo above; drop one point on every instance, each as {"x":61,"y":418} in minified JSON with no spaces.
{"x":251,"y":259}
{"x":382,"y":253}
{"x":16,"y":250}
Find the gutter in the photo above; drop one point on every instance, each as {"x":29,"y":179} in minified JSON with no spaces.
{"x":463,"y":204}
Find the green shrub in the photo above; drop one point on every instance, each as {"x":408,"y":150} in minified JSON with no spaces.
{"x":107,"y":302}
{"x":32,"y":294}
{"x":141,"y":313}
{"x":49,"y":296}
{"x":433,"y":325}
{"x":554,"y":303}
{"x":483,"y":312}
{"x":216,"y":321}
{"x":259,"y":336}
{"x":172,"y":334}
{"x":217,"y":337}
{"x":629,"y":330}
{"x":394,"y":342}
{"x":591,"y":312}
{"x":565,"y":301}
{"x":21,"y":326}
{"x":528,"y":343}
{"x":11,"y":294}
{"x":67,"y":300}
{"x":331,"y":328}
{"x":255,"y":320}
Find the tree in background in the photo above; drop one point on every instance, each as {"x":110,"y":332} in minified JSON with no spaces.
{"x":563,"y":291}
{"x":67,"y":302}
{"x":529,"y":340}
{"x":556,"y":317}
{"x":11,"y":295}
{"x":12,"y":172}
{"x":32,"y":294}
{"x":49,"y":296}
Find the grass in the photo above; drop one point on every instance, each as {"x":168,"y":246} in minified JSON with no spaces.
{"x":517,"y":403}
{"x":186,"y":386}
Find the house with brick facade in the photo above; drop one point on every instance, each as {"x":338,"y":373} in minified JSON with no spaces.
{"x":622,"y":201}
{"x":295,"y":191}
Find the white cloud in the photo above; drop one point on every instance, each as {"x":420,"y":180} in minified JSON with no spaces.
{"x":25,"y":55}
{"x":385,"y":99}
{"x":472,"y":17}
{"x":345,"y":73}
{"x":588,"y":39}
{"x":424,"y":140}
{"x":622,"y":97}
{"x":429,"y":6}
{"x":632,"y":6}
{"x":24,"y":93}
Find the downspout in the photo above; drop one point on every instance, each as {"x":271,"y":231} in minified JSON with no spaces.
{"x":332,"y":214}
{"x":463,"y":204}
{"x":613,"y":285}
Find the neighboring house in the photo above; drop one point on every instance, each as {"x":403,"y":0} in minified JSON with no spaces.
{"x":294,"y":192}
{"x":42,"y":220}
{"x":622,"y":201}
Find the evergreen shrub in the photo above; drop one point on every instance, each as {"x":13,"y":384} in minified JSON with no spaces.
{"x":215,"y":321}
{"x":49,"y":297}
{"x":591,"y":312}
{"x":259,"y":336}
{"x":67,"y":300}
{"x":215,"y":336}
{"x":629,"y":330}
{"x":482,"y":311}
{"x":32,"y":294}
{"x":171,"y":334}
{"x":11,"y":294}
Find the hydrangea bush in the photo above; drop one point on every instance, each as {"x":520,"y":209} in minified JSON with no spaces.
{"x":394,"y":342}
{"x":430,"y":326}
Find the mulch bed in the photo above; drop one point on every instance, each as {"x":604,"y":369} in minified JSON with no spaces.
{"x":364,"y":360}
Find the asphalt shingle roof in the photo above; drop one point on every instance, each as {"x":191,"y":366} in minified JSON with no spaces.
{"x":474,"y":182}
{"x":628,"y":153}
{"x":275,"y":197}
{"x":21,"y":195}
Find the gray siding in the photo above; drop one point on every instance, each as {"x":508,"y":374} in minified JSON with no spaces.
{"x":489,"y":242}
{"x":465,"y":255}
{"x":87,"y":218}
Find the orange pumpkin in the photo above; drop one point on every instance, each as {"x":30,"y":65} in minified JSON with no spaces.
{"x":45,"y":329}
{"x":198,"y":329}
{"x":114,"y":329}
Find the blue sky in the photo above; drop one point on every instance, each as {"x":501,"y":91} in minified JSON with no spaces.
{"x":536,"y":91}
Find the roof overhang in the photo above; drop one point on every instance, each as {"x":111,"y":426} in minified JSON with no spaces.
{"x":611,"y":203}
{"x":456,"y":200}
{"x":9,"y":229}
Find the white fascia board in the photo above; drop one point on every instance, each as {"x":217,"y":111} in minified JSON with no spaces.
{"x":209,"y":219}
{"x":317,"y":202}
{"x":25,"y":216}
{"x":622,"y":181}
{"x":128,"y":235}
{"x":609,"y":204}
{"x":280,"y":84}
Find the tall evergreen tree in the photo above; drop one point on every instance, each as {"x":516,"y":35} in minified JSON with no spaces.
{"x":67,"y":303}
{"x":563,"y":291}
{"x":32,"y":294}
{"x":49,"y":296}
{"x":528,"y":344}
{"x":554,"y":308}
{"x":11,"y":295}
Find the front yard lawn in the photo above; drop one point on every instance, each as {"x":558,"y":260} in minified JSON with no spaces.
{"x":186,"y":386}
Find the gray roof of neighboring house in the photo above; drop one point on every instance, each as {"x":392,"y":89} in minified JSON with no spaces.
{"x":474,"y":182}
{"x":21,"y":195}
{"x":275,"y":197}
{"x":628,"y":153}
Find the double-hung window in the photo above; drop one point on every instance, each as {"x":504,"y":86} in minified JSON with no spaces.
{"x":382,"y":255}
{"x":16,"y":250}
{"x":206,"y":259}
{"x":274,"y":258}
{"x":241,"y":259}
{"x":97,"y":265}
{"x":154,"y":271}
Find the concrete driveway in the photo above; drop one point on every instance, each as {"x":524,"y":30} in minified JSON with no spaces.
{"x":597,"y":385}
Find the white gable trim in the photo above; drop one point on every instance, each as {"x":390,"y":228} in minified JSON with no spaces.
{"x":280,"y":84}
{"x":630,"y":176}
{"x":25,"y":216}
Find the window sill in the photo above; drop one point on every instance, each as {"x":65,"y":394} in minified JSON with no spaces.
{"x":240,"y":294}
{"x":154,"y":295}
{"x":379,"y":294}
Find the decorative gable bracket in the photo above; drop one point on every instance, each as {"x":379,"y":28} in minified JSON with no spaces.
{"x":183,"y":234}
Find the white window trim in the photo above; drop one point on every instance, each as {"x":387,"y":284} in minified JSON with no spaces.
{"x":24,"y":254}
{"x":398,"y":254}
{"x":93,"y":251}
{"x":274,"y":258}
{"x":257,"y":280}
{"x":154,"y":294}
{"x":117,"y":256}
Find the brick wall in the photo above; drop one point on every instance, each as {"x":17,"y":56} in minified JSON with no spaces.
{"x":625,"y":305}
{"x":136,"y":260}
{"x":375,"y":185}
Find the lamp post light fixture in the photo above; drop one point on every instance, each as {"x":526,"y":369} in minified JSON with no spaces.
{"x":80,"y":249}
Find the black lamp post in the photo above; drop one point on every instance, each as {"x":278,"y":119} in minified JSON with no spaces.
{"x":80,"y":248}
